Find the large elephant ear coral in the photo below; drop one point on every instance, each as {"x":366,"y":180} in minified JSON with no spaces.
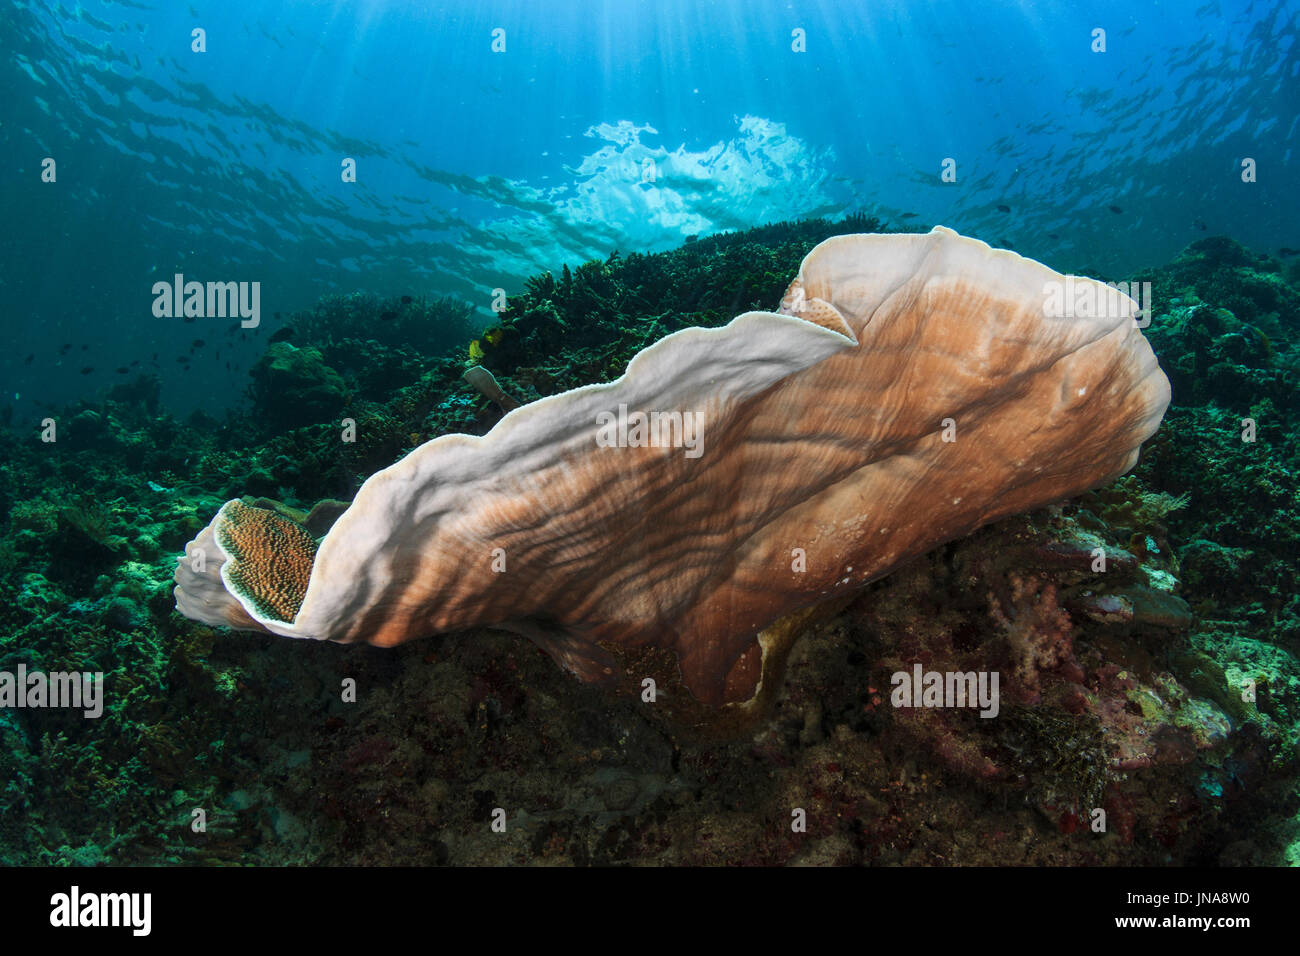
{"x":911,"y":389}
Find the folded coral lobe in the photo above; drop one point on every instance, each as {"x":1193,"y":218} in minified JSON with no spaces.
{"x":911,"y":389}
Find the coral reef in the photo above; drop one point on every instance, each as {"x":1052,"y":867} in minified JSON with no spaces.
{"x":1170,"y":700}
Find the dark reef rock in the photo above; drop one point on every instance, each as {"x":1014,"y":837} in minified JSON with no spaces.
{"x":293,"y":386}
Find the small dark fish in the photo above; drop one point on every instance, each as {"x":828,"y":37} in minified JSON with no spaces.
{"x":227,"y":366}
{"x":135,"y":362}
{"x":123,"y":370}
{"x":387,"y":316}
{"x":1284,"y":252}
{"x":407,"y":300}
{"x":1004,"y":208}
{"x":1199,"y":225}
{"x":155,"y":356}
{"x":283,"y":335}
{"x":197,"y":344}
{"x":1005,"y":244}
{"x":1115,"y":209}
{"x":908,"y":215}
{"x":85,"y":348}
{"x":63,"y":349}
{"x":87,"y":369}
{"x":28,"y":360}
{"x":1052,"y":235}
{"x":182,"y":359}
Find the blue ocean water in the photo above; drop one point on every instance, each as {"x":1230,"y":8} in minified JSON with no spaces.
{"x":1145,"y":633}
{"x":495,"y":140}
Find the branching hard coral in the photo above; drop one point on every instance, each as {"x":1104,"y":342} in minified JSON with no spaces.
{"x":429,"y":325}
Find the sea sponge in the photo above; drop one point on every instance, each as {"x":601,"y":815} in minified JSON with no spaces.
{"x":911,"y":389}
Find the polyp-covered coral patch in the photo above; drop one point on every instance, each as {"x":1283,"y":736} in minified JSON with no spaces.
{"x":269,"y":560}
